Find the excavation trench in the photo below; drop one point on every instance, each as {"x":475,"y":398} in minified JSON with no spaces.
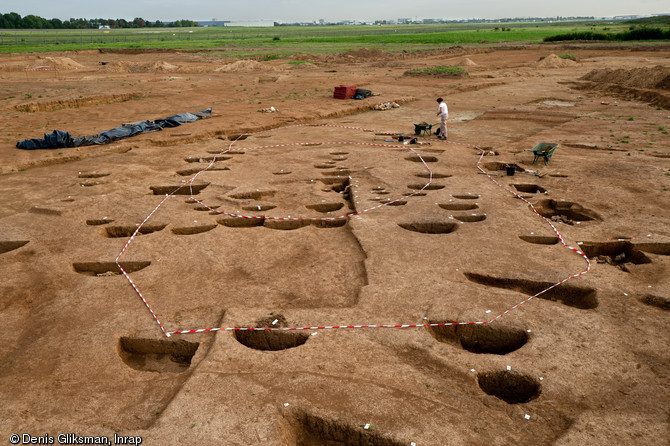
{"x":127,"y":231}
{"x":424,"y":187}
{"x":325,"y":207}
{"x":192,"y":230}
{"x":156,"y":355}
{"x":617,"y":253}
{"x":509,"y":386}
{"x":530,"y":188}
{"x":108,"y":268}
{"x":652,"y":300}
{"x":470,"y":218}
{"x":662,"y":249}
{"x":240,"y":222}
{"x":584,"y":298}
{"x":496,"y":338}
{"x":271,"y":340}
{"x":459,"y":206}
{"x":430,"y":227}
{"x":567,"y":209}
{"x":181,"y":189}
{"x":421,"y":159}
{"x":466,"y":196}
{"x":311,"y":430}
{"x":434,"y":175}
{"x":539,"y":239}
{"x":75,"y":103}
{"x":11,"y":245}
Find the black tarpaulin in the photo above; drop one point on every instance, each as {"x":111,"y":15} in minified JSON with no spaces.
{"x":59,"y":139}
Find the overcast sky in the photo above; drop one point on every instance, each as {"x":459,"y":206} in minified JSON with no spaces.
{"x":334,"y":10}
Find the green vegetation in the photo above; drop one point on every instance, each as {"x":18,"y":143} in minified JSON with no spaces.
{"x":441,"y":71}
{"x":567,"y":56}
{"x":281,"y":41}
{"x":633,"y":34}
{"x":261,"y":42}
{"x":658,"y":20}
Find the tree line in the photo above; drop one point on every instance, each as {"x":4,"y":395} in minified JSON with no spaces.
{"x":633,"y":34}
{"x":15,"y":21}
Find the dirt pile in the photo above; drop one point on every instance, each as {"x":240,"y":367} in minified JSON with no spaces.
{"x":365,"y":53}
{"x":75,"y":102}
{"x":554,"y":61}
{"x":467,"y":62}
{"x":245,"y":66}
{"x":303,"y":66}
{"x":116,"y":67}
{"x":59,"y":63}
{"x":161,"y":67}
{"x":123,"y":66}
{"x":656,"y":77}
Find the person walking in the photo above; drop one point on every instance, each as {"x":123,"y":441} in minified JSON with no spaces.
{"x":443,"y":113}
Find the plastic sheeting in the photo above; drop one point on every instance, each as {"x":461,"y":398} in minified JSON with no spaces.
{"x":60,"y":139}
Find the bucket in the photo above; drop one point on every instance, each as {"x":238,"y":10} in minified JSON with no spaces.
{"x":510,"y":169}
{"x":401,"y":138}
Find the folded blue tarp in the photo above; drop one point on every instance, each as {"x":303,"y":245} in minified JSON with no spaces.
{"x":59,"y":139}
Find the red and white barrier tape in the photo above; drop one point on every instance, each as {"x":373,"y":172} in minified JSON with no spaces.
{"x":230,"y":148}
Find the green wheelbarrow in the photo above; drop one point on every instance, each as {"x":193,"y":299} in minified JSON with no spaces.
{"x":543,"y":150}
{"x":423,"y":128}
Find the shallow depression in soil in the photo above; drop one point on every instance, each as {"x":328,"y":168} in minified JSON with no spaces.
{"x":430,"y":227}
{"x":10,"y":245}
{"x":509,"y":386}
{"x":494,"y":338}
{"x":156,"y":355}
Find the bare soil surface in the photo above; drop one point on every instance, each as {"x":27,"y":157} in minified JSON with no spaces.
{"x":585,"y":363}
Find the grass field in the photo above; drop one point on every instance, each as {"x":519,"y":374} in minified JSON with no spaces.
{"x":284,"y":40}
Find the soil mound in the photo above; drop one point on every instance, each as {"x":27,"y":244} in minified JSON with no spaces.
{"x":132,"y":67}
{"x":554,"y":61}
{"x":466,"y":62}
{"x":60,"y":63}
{"x":365,"y":53}
{"x":244,"y":66}
{"x":117,"y":67}
{"x":161,"y":67}
{"x":656,"y":77}
{"x":304,"y":66}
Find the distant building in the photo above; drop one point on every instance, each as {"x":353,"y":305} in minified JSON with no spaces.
{"x":247,"y":23}
{"x":104,"y":27}
{"x":213,"y":22}
{"x":250,"y":23}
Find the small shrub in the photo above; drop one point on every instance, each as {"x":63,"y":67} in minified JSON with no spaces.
{"x":440,"y":71}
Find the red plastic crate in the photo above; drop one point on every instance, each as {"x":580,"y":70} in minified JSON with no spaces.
{"x":344,"y":91}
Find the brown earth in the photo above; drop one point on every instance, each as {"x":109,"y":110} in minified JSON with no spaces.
{"x":585,"y":363}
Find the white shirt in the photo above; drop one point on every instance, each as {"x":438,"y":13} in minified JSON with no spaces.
{"x":443,"y":109}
